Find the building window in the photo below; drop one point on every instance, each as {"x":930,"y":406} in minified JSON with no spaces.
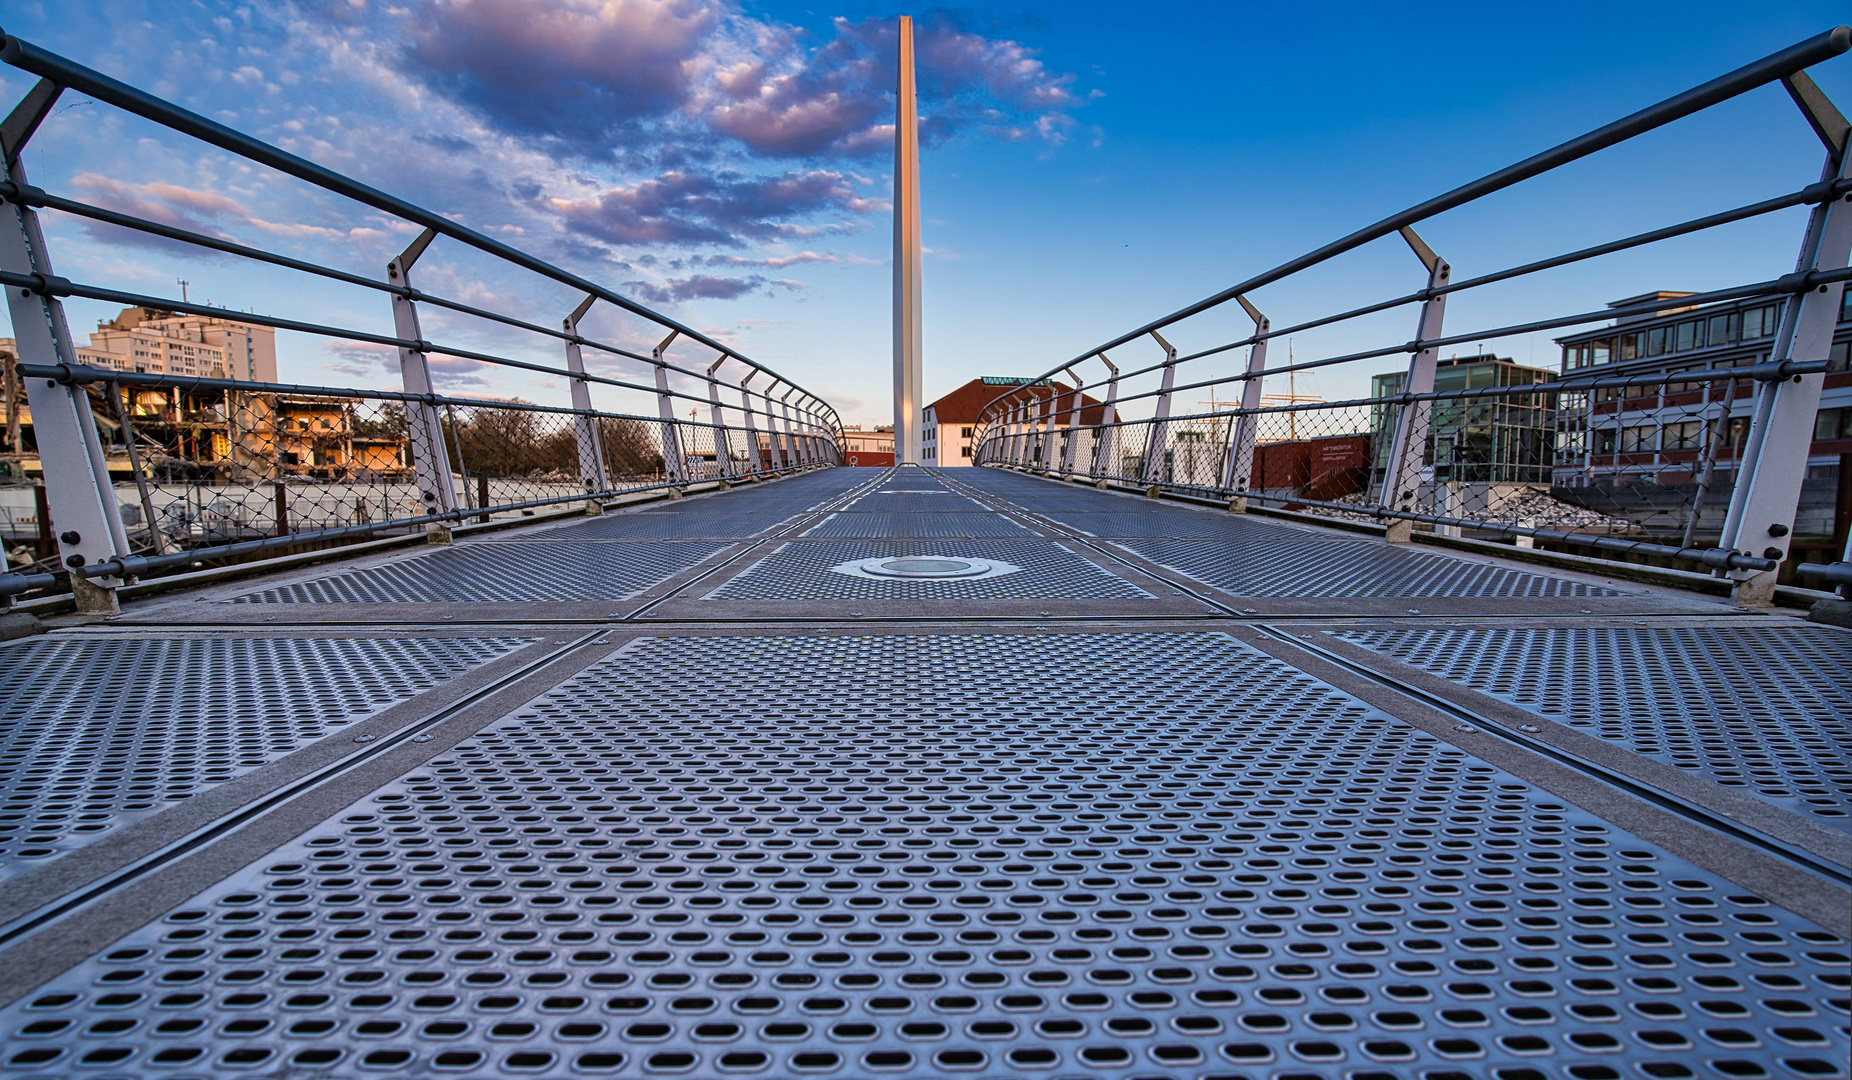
{"x":965,"y":452}
{"x":1598,"y":352}
{"x":1831,"y":424}
{"x":1656,"y":340}
{"x":1637,"y":440}
{"x":1690,"y":336}
{"x":1631,"y":347}
{"x":1688,"y":435}
{"x":964,"y":433}
{"x":1759,"y":322}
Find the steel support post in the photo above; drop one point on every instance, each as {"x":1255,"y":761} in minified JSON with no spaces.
{"x":82,"y":500}
{"x":752,"y":430}
{"x":1019,"y":433}
{"x":430,"y":455}
{"x":813,"y":446}
{"x":1238,"y":471}
{"x":771,"y":429}
{"x":791,"y":439}
{"x":1041,"y":415}
{"x":1160,"y":425}
{"x":674,"y":465}
{"x":1774,"y":459}
{"x":585,"y":433}
{"x":1076,"y":408}
{"x":1108,"y":435}
{"x":723,"y":443}
{"x":1407,"y":447}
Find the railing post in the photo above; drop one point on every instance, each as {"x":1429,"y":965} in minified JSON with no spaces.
{"x":1402,"y":465}
{"x":1160,"y":425}
{"x":1774,"y":459}
{"x":431,"y":457}
{"x":784,"y":405}
{"x":1076,"y":408}
{"x":589,"y":439}
{"x":1108,"y":436}
{"x":80,"y":497}
{"x":723,"y":443}
{"x":1019,"y":412}
{"x":806,"y":434}
{"x":1045,"y":441}
{"x":674,"y":467}
{"x":752,"y":430}
{"x":773,"y":443}
{"x":1238,"y":472}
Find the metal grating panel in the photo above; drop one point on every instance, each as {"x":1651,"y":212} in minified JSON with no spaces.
{"x":913,"y":503}
{"x":1767,"y":710}
{"x":800,"y":570}
{"x":917,"y":525}
{"x":1177,"y":525}
{"x":1345,"y":568}
{"x":863,"y":860}
{"x":94,"y":734}
{"x":721,"y":522}
{"x":502,"y":572}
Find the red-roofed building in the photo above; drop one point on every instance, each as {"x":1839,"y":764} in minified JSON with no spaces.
{"x":951,"y":421}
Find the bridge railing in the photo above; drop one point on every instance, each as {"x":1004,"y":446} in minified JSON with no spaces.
{"x":145,"y":470}
{"x":1677,"y":425}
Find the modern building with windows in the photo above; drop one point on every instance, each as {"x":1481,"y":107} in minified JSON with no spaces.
{"x":1658,"y":451}
{"x":1497,"y":440}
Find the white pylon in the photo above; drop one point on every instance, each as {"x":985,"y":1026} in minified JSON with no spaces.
{"x":907,"y":337}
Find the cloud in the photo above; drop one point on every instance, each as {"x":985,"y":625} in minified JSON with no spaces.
{"x":779,"y":262}
{"x":829,"y":101}
{"x":723,"y":208}
{"x":571,"y":69}
{"x":187,"y":208}
{"x":671,"y":79}
{"x":706,"y":287}
{"x":366,"y":360}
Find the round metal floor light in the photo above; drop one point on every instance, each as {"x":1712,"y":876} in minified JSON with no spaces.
{"x":925,"y":566}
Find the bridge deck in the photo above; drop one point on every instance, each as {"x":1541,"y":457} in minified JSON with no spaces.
{"x":1163,"y":792}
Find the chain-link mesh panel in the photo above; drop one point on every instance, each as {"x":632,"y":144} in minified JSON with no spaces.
{"x":197,"y":468}
{"x":1652,"y":461}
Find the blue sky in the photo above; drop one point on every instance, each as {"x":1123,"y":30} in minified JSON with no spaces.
{"x":1093,"y":166}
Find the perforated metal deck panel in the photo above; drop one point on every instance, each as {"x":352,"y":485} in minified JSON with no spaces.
{"x":874,"y":524}
{"x":1178,"y":524}
{"x":861,"y":860}
{"x":801,"y":570}
{"x":715,"y":524}
{"x":1766,"y":710}
{"x":916,"y":502}
{"x":1340,"y":568}
{"x":501,"y":572}
{"x":94,"y":734}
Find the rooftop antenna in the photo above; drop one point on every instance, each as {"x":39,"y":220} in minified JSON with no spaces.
{"x":183,"y":284}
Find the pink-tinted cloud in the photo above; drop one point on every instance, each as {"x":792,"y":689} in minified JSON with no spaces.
{"x":669,"y":77}
{"x":691,"y":208}
{"x":705,"y":287}
{"x":829,"y":101}
{"x":576,"y":69}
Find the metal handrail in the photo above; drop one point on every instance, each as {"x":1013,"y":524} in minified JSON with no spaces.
{"x":67,"y":73}
{"x":1769,"y":69}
